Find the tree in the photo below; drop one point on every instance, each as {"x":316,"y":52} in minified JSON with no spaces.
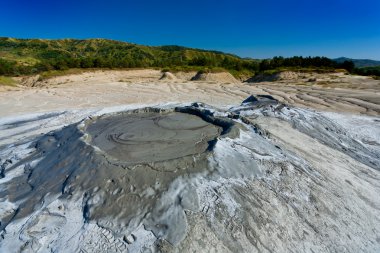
{"x":348,"y":65}
{"x":264,"y":65}
{"x":86,"y":63}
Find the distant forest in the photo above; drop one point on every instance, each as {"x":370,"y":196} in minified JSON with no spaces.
{"x":368,"y":71}
{"x":32,"y":56}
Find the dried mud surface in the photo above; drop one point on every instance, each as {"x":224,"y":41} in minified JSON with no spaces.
{"x":329,"y":92}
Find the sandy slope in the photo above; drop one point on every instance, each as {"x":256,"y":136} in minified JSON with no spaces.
{"x":109,"y":88}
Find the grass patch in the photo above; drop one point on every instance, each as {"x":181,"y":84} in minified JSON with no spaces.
{"x":272,"y":71}
{"x":8,"y":81}
{"x":341,"y":71}
{"x":321,"y":70}
{"x":242,"y":74}
{"x":201,"y":69}
{"x":54,"y":73}
{"x":212,"y":70}
{"x":186,"y":69}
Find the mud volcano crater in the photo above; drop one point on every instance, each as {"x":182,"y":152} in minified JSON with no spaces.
{"x":147,"y":137}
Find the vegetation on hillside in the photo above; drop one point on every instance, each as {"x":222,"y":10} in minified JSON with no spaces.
{"x":32,"y":56}
{"x":318,"y":64}
{"x":322,"y":63}
{"x":368,"y":71}
{"x":24,"y":56}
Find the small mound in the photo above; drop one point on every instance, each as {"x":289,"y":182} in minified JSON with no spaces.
{"x":259,"y":101}
{"x":280,"y":76}
{"x":168,"y":76}
{"x":287,"y":75}
{"x":250,"y":99}
{"x":220,"y":77}
{"x":30,"y":81}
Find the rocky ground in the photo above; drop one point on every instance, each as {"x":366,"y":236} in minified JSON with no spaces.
{"x":100,"y":163}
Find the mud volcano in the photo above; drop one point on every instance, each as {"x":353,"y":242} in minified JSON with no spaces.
{"x":121,"y":168}
{"x":258,"y":177}
{"x":151,"y":137}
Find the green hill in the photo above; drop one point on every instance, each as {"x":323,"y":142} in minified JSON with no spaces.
{"x":29,"y":56}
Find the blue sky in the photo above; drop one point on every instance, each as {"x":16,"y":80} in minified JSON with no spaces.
{"x":249,"y":28}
